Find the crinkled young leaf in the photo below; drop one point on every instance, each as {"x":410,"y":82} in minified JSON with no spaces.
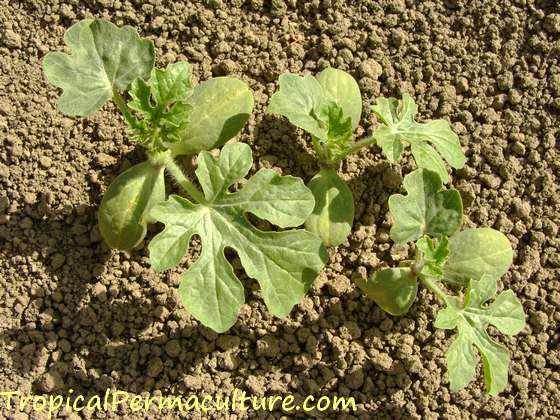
{"x":162,"y":101}
{"x":475,"y":252}
{"x":434,"y":255}
{"x":284,"y":263}
{"x":220,"y":108}
{"x":124,"y":212}
{"x":400,"y":126}
{"x":342,"y":89}
{"x":301,"y":100}
{"x":393,"y":289}
{"x":327,"y":107}
{"x":339,"y":129}
{"x":426,"y":209}
{"x":104,"y":57}
{"x":471,"y":319}
{"x":333,"y":214}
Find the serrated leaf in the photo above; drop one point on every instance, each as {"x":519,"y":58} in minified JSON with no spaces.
{"x":475,"y":252}
{"x":426,"y":209}
{"x":471,"y":319}
{"x":400,"y":126}
{"x":124,"y":212}
{"x":434,"y":254}
{"x":162,"y":101}
{"x":104,"y":57}
{"x":342,"y":89}
{"x":393,"y":289}
{"x":220,"y":108}
{"x":284,"y":263}
{"x":333,"y":214}
{"x":301,"y":100}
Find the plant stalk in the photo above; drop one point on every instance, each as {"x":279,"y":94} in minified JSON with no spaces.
{"x":121,"y":105}
{"x":177,"y":173}
{"x":368,"y":141}
{"x":431,"y":284}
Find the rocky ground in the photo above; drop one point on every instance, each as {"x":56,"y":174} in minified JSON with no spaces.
{"x":76,"y":315}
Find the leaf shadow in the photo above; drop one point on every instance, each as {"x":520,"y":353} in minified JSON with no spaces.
{"x":369,"y":193}
{"x":278,"y":143}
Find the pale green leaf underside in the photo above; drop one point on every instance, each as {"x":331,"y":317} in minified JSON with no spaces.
{"x":471,"y":319}
{"x":104,"y":57}
{"x":400,"y":127}
{"x":333,"y":214}
{"x":301,"y":100}
{"x":393,"y":289}
{"x":475,"y":252}
{"x":284,"y":263}
{"x":123,"y":214}
{"x":426,"y":209}
{"x":342,"y":89}
{"x":220,"y":108}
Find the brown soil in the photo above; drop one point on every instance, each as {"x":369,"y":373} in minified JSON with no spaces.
{"x":76,"y":315}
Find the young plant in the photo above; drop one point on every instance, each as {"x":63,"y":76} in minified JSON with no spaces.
{"x":473,"y":259}
{"x":329,"y":107}
{"x":168,"y":117}
{"x":429,"y":142}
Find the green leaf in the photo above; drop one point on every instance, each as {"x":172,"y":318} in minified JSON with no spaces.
{"x":284,"y":263}
{"x":301,"y":100}
{"x":475,"y":252}
{"x":434,"y":255}
{"x":339,"y":131}
{"x":333,"y":214}
{"x":220,"y":108}
{"x":400,"y":126}
{"x":327,"y":107}
{"x":343,"y":89}
{"x":124,"y":212}
{"x":471,"y":319}
{"x":427,"y":209}
{"x":393,"y":289}
{"x":162,"y":101}
{"x":104,"y":57}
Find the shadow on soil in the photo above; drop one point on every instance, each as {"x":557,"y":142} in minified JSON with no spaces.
{"x":276,"y":141}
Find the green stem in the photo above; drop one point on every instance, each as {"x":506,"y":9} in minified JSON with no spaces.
{"x":431,"y":284}
{"x":176,"y":172}
{"x":368,"y":141}
{"x":121,"y":105}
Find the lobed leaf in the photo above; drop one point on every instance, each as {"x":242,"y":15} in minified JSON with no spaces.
{"x":162,"y":101}
{"x":400,"y":126}
{"x":342,"y":89}
{"x":476,"y":252}
{"x":104,"y":57}
{"x":220,"y":108}
{"x":284,"y":263}
{"x":328,"y":107}
{"x":471,"y":318}
{"x":301,"y":100}
{"x":333,"y":215}
{"x":124,"y":211}
{"x":393,"y":289}
{"x":426,"y":209}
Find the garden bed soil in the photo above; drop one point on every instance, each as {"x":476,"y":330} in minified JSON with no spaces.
{"x":76,"y":315}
